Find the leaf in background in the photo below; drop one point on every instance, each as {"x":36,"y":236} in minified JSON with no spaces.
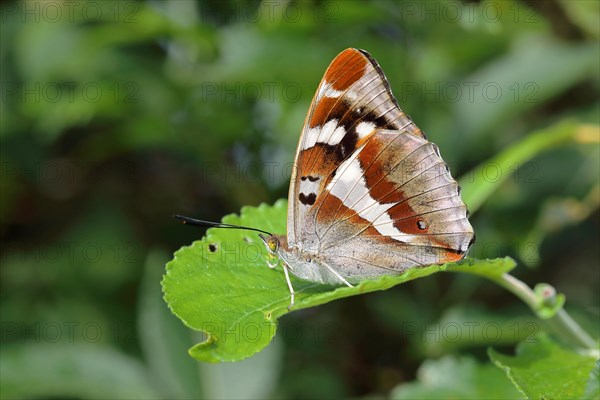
{"x":555,"y":215}
{"x":543,"y":369}
{"x":477,"y":186}
{"x":255,"y":377}
{"x":86,"y":371}
{"x":456,"y":378}
{"x":222,"y":286}
{"x":163,"y":339}
{"x":586,"y":14}
{"x":536,"y":69}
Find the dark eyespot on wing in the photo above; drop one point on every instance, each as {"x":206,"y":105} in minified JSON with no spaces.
{"x":307,"y":200}
{"x":310,"y":178}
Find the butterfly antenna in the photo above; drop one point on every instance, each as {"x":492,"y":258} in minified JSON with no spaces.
{"x":200,"y":222}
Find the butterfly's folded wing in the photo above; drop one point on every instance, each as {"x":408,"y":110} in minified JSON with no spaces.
{"x":369,"y":193}
{"x":391,"y":205}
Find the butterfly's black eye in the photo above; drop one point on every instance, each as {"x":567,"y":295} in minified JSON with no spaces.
{"x":422,"y":225}
{"x":212,"y":247}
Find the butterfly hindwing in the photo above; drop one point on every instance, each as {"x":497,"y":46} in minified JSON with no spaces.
{"x":395,"y":192}
{"x":352,"y":101}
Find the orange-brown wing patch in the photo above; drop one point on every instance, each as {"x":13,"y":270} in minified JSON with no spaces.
{"x":347,"y":68}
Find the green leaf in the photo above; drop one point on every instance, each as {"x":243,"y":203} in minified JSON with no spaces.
{"x":222,"y":286}
{"x":457,"y":378}
{"x":543,"y":369}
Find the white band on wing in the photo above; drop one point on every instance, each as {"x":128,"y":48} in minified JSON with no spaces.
{"x":350,"y":187}
{"x":330,"y":134}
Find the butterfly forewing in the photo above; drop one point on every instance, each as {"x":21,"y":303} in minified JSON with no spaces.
{"x":352,"y":101}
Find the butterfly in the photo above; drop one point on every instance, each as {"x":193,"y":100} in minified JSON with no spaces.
{"x":369,"y":194}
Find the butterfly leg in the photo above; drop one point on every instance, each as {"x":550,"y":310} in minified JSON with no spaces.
{"x":287,"y":278}
{"x":341,"y":278}
{"x":272,"y":262}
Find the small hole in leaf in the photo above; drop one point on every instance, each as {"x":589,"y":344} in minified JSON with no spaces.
{"x":213,"y":247}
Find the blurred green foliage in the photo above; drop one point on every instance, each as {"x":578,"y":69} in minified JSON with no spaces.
{"x":117,"y":114}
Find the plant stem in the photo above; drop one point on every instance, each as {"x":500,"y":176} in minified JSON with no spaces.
{"x":561,"y":321}
{"x":520,"y":289}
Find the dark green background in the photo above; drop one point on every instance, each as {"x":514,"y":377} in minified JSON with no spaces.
{"x":117,"y":114}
